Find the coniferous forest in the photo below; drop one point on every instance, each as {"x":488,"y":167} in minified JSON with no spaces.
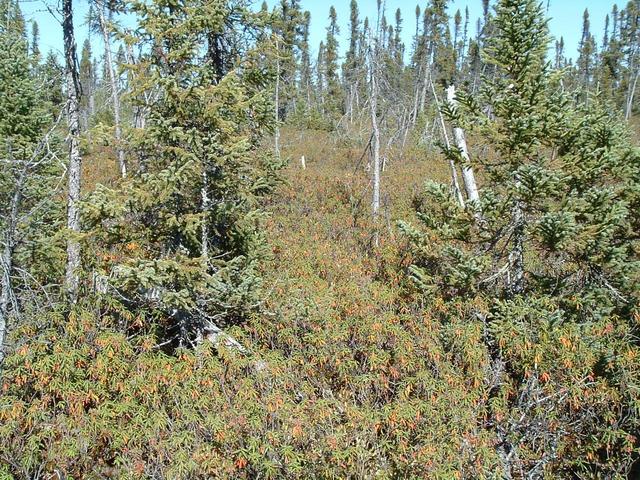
{"x":229,"y":252}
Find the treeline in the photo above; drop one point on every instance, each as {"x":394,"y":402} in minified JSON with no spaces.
{"x":439,"y":55}
{"x":134,"y":337}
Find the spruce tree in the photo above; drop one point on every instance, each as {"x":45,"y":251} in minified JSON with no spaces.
{"x":630,"y":46}
{"x":440,"y":44}
{"x":334,"y":104}
{"x":27,"y":172}
{"x":306,"y":80}
{"x":52,"y":77}
{"x":185,"y":229}
{"x":587,"y":52}
{"x":35,"y":42}
{"x":87,"y":82}
{"x":549,"y":266}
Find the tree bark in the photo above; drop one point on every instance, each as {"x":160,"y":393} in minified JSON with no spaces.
{"x":516,"y":257}
{"x":277,"y":109}
{"x":452,"y":166}
{"x":376,"y":146}
{"x":468,"y":177}
{"x":115,"y":98}
{"x":6,"y":292}
{"x":72,"y":279}
{"x":632,"y":92}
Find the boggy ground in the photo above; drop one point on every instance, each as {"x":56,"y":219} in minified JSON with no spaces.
{"x":371,"y":388}
{"x":359,"y":379}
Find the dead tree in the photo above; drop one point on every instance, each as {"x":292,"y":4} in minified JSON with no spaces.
{"x":115,"y":97}
{"x":72,"y":276}
{"x":468,"y":177}
{"x":6,"y":292}
{"x":373,"y":102}
{"x":455,"y":184}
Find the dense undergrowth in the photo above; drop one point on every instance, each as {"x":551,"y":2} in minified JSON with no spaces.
{"x":224,"y":315}
{"x":346,"y":376}
{"x":349,"y":372}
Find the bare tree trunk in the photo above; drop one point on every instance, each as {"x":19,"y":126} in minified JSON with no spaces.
{"x":6,"y":260}
{"x":516,"y":257}
{"x":376,"y":147}
{"x":452,"y":166}
{"x":204,"y":193}
{"x":468,"y":177}
{"x":632,"y":92}
{"x":277,"y":111}
{"x":72,"y":279}
{"x":115,"y":98}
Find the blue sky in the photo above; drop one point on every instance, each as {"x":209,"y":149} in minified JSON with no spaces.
{"x":566,"y":18}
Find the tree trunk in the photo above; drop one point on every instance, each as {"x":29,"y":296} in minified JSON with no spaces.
{"x":452,"y":166}
{"x":632,"y":92}
{"x":376,"y":148}
{"x":115,"y":98}
{"x":277,"y":112}
{"x":6,"y":292}
{"x":72,"y":279}
{"x":516,"y":257}
{"x":468,"y":177}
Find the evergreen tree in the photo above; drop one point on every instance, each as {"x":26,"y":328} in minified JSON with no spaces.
{"x":587,"y":53}
{"x":35,"y":42}
{"x":306,"y":80}
{"x":398,"y":46}
{"x":52,"y":74}
{"x":334,"y":104}
{"x":560,"y":59}
{"x":630,"y":46}
{"x":287,"y":25}
{"x":440,"y":45}
{"x":87,"y":82}
{"x":27,"y":172}
{"x":551,"y":258}
{"x":352,"y":60}
{"x":321,"y":77}
{"x":187,"y":227}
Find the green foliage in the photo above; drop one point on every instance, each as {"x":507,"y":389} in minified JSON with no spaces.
{"x":334,"y":97}
{"x":182,"y":237}
{"x":29,"y":172}
{"x":433,"y":359}
{"x":559,"y":185}
{"x":352,"y":378}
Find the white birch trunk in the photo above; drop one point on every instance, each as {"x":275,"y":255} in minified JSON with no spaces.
{"x":115,"y":98}
{"x":468,"y":177}
{"x":72,"y":278}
